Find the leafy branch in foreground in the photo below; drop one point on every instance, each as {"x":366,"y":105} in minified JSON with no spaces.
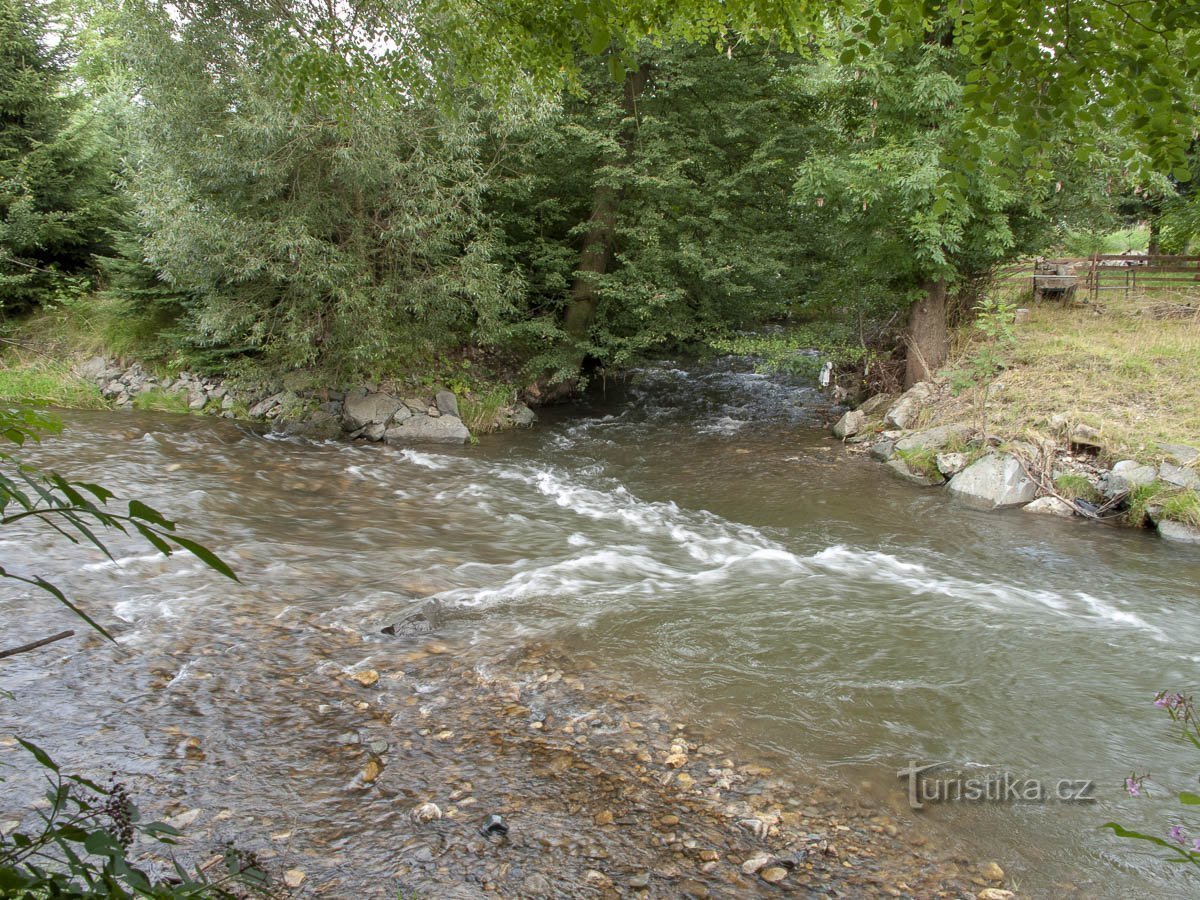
{"x":81,"y":849}
{"x":76,"y":509}
{"x":1183,"y":847}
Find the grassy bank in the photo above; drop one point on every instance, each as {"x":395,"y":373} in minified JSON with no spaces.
{"x":41,"y":355}
{"x":1113,"y":365}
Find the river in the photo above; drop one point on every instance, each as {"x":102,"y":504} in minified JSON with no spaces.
{"x":694,"y":535}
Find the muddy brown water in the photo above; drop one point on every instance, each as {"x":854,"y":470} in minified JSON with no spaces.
{"x":691,"y":550}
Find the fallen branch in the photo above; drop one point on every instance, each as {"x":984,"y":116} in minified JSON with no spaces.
{"x":33,"y":645}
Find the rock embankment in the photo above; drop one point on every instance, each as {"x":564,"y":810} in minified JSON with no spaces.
{"x":398,"y":415}
{"x":1062,"y":476}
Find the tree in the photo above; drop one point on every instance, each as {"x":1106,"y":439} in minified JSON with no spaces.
{"x":655,"y":212}
{"x":295,"y":235}
{"x":56,"y":199}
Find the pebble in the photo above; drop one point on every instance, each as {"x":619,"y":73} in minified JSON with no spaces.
{"x":604,"y":818}
{"x":366,"y":677}
{"x":755,"y":863}
{"x":639,"y":881}
{"x":293,"y":878}
{"x":773,"y":874}
{"x":992,"y":872}
{"x":995,"y":894}
{"x":426,"y":812}
{"x":372,"y":771}
{"x":597,"y":878}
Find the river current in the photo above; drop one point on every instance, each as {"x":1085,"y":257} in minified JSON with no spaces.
{"x":695,"y":534}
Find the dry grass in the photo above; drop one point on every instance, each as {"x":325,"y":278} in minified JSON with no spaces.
{"x":1110,"y":366}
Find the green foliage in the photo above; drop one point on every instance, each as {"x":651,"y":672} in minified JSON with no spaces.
{"x":48,"y":382}
{"x":790,"y":350}
{"x":163,"y":401}
{"x":921,"y":460}
{"x":56,"y":199}
{"x":283,"y":232}
{"x":1076,"y":487}
{"x":86,"y":842}
{"x":1182,"y":506}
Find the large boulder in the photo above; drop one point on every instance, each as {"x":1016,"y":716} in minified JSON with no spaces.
{"x":1179,"y":532}
{"x":850,"y":424}
{"x":904,"y":411}
{"x":883,"y":450}
{"x":934,"y":438}
{"x":446,"y":402}
{"x":1180,"y":454}
{"x":422,"y":429}
{"x":877,"y":405}
{"x":1128,"y":474}
{"x":362,"y":408}
{"x":994,"y":482}
{"x":1179,"y":476}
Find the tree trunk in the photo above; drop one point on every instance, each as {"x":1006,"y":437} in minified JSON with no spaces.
{"x":598,"y":243}
{"x":928,"y":338}
{"x":1152,"y":248}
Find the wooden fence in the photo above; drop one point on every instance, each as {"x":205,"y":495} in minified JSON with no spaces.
{"x":1130,"y":273}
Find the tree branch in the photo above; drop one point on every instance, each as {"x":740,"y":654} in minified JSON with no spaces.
{"x":33,"y":645}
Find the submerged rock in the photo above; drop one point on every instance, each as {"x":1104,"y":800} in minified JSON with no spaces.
{"x":995,"y":482}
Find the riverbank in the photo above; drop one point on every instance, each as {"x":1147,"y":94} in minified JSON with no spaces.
{"x":1094,"y":414}
{"x":55,"y":359}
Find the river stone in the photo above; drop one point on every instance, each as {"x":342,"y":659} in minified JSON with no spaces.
{"x":1086,"y":436}
{"x":900,"y":467}
{"x":994,"y":482}
{"x":850,"y":424}
{"x":905,"y":411}
{"x":422,"y":429}
{"x":877,"y":405}
{"x":950,"y":464}
{"x":1180,"y":454}
{"x":934,"y":438}
{"x":446,"y":402}
{"x":262,"y":407}
{"x":94,"y":369}
{"x":1050,"y":506}
{"x":374,"y":432}
{"x":1179,"y":476}
{"x":523,"y":416}
{"x":882,"y":450}
{"x":361,"y":409}
{"x":1179,"y":532}
{"x":1128,"y":474}
{"x":320,"y":425}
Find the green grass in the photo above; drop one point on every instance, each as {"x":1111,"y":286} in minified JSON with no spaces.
{"x":1085,"y":243}
{"x":481,"y":411}
{"x":162,"y":401}
{"x":1182,"y":505}
{"x":1108,"y":365}
{"x":1076,"y":487}
{"x":47,"y":381}
{"x":922,"y":461}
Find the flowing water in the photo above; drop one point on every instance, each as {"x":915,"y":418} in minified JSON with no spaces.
{"x":695,"y":536}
